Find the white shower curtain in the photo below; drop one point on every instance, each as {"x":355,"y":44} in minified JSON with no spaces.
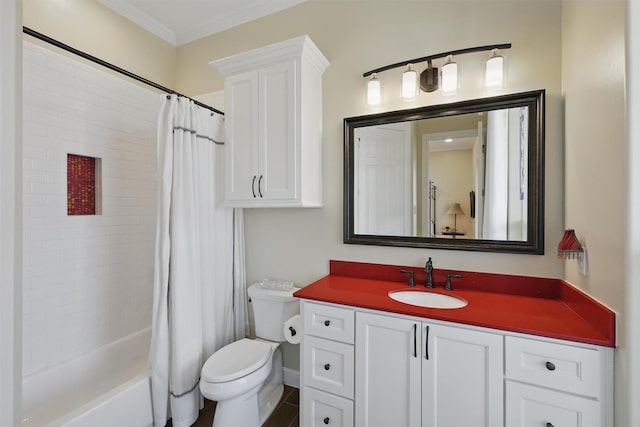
{"x":199,"y":300}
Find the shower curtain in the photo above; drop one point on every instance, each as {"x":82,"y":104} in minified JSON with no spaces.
{"x":199,"y":300}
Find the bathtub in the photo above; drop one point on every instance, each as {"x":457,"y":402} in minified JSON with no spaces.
{"x":105,"y":388}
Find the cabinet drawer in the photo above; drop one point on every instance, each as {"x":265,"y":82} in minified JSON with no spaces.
{"x":328,"y":366}
{"x":528,"y":405}
{"x":323,"y":409}
{"x":563,"y":367}
{"x":330,"y":322}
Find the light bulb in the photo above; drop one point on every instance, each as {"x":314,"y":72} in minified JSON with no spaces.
{"x":494,"y":71}
{"x":373,"y":91}
{"x":449,"y":76}
{"x":409,"y":83}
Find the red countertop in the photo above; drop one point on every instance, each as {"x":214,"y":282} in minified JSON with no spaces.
{"x":537,"y":306}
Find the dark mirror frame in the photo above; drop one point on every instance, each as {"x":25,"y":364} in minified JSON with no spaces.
{"x":534,"y":244}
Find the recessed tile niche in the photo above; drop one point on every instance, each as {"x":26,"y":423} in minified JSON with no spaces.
{"x":83,"y":185}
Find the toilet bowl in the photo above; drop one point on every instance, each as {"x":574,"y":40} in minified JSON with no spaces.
{"x":245,"y":377}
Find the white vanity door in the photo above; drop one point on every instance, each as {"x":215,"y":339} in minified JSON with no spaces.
{"x":462,"y":374}
{"x":387,"y":366}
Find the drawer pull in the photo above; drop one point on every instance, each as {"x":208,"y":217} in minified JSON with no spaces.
{"x":550,"y":366}
{"x":326,"y":421}
{"x":549,"y":425}
{"x":327,"y":366}
{"x":327,"y":322}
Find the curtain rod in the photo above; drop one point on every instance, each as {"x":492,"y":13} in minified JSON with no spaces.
{"x":112,"y":67}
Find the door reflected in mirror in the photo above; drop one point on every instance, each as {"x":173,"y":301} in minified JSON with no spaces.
{"x":459,"y":176}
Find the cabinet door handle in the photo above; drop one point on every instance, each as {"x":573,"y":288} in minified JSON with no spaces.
{"x":550,"y":366}
{"x":426,"y":343}
{"x":326,"y":420}
{"x":253,"y":186}
{"x":327,"y":366}
{"x":327,"y":322}
{"x":260,"y":185}
{"x":415,"y":340}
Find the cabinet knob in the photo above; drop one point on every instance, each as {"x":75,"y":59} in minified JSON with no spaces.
{"x":327,"y":366}
{"x":327,"y":322}
{"x":550,"y":366}
{"x":326,"y":421}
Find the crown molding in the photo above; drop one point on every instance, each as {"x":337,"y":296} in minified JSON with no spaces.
{"x":140,"y":18}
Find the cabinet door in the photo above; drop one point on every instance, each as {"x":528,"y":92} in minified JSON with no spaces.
{"x":462,"y":372}
{"x":278,"y":150}
{"x":241,"y":139}
{"x":387,"y":371}
{"x":531,"y":406}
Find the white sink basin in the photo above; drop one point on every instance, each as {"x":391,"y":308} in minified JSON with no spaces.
{"x":427,"y":299}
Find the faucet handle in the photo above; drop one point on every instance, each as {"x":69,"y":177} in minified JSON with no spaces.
{"x":447,"y":284}
{"x":410,"y":273}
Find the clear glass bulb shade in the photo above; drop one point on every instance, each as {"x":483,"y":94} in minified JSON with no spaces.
{"x":409,"y":84}
{"x":449,"y":79}
{"x":374,"y":96}
{"x":494,"y":71}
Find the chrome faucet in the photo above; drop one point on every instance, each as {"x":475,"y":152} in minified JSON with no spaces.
{"x":429,"y":269}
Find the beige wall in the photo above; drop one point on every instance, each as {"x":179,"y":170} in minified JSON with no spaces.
{"x":355,"y":39}
{"x":595,"y":175}
{"x":93,"y":28}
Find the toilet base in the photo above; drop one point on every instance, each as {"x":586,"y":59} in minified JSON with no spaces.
{"x":251,"y":409}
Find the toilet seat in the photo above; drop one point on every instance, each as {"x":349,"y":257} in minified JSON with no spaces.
{"x":236,"y":360}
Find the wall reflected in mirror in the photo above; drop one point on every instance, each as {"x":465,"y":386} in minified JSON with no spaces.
{"x":446,"y":177}
{"x":466,"y":175}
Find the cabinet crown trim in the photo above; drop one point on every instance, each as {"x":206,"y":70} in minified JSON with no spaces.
{"x":262,"y":56}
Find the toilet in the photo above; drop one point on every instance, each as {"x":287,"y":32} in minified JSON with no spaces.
{"x":245,"y":377}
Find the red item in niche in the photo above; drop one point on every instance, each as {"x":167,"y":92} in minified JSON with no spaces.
{"x":81,"y":185}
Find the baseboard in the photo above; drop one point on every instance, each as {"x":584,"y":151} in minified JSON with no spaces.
{"x":291,"y":377}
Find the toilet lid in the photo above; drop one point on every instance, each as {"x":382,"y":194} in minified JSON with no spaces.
{"x":236,"y":360}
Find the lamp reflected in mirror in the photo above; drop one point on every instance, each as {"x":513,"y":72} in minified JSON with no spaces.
{"x":455,"y":210}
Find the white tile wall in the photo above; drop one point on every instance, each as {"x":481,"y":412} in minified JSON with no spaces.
{"x":87,"y":279}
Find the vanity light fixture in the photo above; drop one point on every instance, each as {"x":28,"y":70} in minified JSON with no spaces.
{"x":494,"y":73}
{"x":449,"y":73}
{"x":409,"y":83}
{"x":373,"y":91}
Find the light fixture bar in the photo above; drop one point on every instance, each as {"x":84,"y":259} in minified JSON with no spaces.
{"x":437,"y":56}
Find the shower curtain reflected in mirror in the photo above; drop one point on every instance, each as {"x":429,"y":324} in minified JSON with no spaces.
{"x":199,"y":302}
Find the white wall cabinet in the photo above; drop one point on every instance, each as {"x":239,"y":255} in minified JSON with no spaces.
{"x":411,"y":372}
{"x":273,"y":125}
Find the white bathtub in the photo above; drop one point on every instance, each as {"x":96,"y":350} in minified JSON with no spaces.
{"x":107,"y":387}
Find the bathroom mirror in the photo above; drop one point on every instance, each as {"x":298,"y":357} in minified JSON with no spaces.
{"x":466,"y":176}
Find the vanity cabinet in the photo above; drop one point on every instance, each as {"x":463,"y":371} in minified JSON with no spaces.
{"x":412,"y":373}
{"x":407,"y":371}
{"x":326,"y":365}
{"x":552,"y":384}
{"x":273,"y":125}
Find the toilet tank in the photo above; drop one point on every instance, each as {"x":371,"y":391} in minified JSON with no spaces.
{"x":271,"y":308}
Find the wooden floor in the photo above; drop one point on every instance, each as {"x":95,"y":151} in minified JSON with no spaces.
{"x":285,"y":414}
